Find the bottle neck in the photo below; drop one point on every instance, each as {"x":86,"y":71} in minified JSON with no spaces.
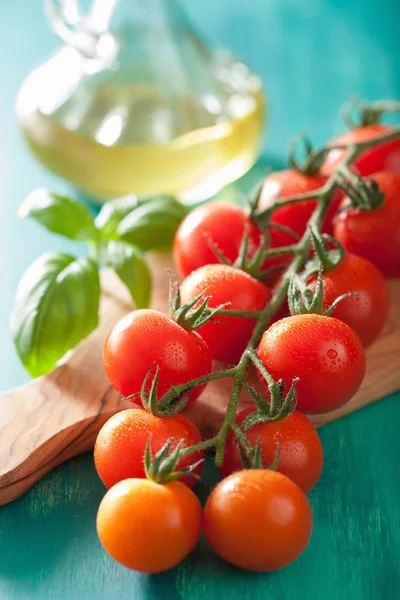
{"x":145,"y":14}
{"x":111,"y":19}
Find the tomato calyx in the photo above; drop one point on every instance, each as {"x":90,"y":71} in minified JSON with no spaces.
{"x":358,"y":113}
{"x":251,"y":456}
{"x":161,"y":467}
{"x":303,"y":300}
{"x":150,"y":400}
{"x":363,"y":193}
{"x":189,"y":316}
{"x":313,"y":159}
{"x":279,"y":405}
{"x":175,"y":400}
{"x":328,"y":252}
{"x":262,"y":217}
{"x":252,"y":256}
{"x":253,"y":264}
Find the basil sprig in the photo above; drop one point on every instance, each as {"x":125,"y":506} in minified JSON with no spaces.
{"x":57,"y":300}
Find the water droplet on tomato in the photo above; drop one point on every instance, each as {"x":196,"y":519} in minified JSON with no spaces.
{"x":332,"y":353}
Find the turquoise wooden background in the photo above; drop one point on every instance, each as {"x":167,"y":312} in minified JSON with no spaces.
{"x":312,"y":54}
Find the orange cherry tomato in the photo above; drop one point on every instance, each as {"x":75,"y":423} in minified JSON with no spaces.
{"x":147,"y":526}
{"x":258,"y":520}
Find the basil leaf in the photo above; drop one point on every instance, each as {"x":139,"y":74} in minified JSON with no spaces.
{"x":152,"y":225}
{"x":59,"y":214}
{"x":128,"y":263}
{"x":56,"y":306}
{"x":112,"y":212}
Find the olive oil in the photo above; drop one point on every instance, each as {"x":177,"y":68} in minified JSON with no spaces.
{"x":134,"y":101}
{"x":104,"y":150}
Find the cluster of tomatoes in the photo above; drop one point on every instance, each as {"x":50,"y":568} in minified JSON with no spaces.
{"x":257,"y":519}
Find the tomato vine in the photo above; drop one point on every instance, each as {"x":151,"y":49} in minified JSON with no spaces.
{"x":364,"y":194}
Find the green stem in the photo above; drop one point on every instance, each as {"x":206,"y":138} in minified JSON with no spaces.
{"x":344,"y":170}
{"x":260,"y":214}
{"x":257,"y":363}
{"x":273,"y":387}
{"x":385,"y":106}
{"x":196,"y":447}
{"x":279,"y":251}
{"x":240,"y":435}
{"x":178,"y":390}
{"x":238,"y":313}
{"x":315,"y":195}
{"x":230,"y":414}
{"x":368,"y":113}
{"x":329,"y":258}
{"x":275,"y":303}
{"x":301,"y":252}
{"x":359,"y":147}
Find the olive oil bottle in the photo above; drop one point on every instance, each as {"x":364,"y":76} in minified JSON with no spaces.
{"x":135,"y":102}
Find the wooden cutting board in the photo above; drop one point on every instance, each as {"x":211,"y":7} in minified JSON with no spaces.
{"x":57,"y":416}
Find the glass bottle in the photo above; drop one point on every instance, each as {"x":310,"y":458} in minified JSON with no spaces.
{"x":134,"y":101}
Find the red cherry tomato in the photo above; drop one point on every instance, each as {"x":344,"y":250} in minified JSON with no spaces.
{"x":384,"y":157}
{"x":281,"y":186}
{"x":222,"y":223}
{"x":366,"y":312}
{"x":145,"y":338}
{"x":258,"y":520}
{"x":227,"y":337}
{"x":375,"y":234}
{"x":301,"y":457}
{"x":285,"y":184}
{"x":121,"y":443}
{"x":325,"y":353}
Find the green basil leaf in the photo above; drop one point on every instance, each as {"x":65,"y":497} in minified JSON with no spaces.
{"x":128,"y":263}
{"x":153,"y":224}
{"x":59,"y":214}
{"x":112,"y":212}
{"x":56,"y":306}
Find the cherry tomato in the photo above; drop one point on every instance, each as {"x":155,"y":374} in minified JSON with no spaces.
{"x":325,"y":353}
{"x":384,"y":157}
{"x":375,"y":234}
{"x":301,"y":457}
{"x":367,"y":312}
{"x":258,"y":520}
{"x":221,"y":222}
{"x":282,"y":185}
{"x":146,"y":337}
{"x":227,"y":337}
{"x":147,"y":526}
{"x":121,"y":443}
{"x":285,"y":184}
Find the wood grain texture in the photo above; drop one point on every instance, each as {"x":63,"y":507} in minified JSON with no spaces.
{"x":57,"y":416}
